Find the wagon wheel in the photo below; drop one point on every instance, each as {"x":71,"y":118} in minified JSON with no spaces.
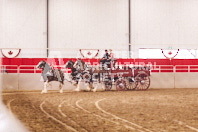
{"x":120,"y":84}
{"x":108,"y":85}
{"x":143,"y":81}
{"x":131,"y":84}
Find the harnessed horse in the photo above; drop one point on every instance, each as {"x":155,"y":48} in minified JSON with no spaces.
{"x":49,"y":74}
{"x":81,"y":71}
{"x":74,"y":72}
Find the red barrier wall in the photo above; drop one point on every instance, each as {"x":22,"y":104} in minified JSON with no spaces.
{"x":62,"y":61}
{"x":166,"y":65}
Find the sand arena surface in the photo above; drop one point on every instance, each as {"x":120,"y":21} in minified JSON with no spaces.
{"x":158,"y":110}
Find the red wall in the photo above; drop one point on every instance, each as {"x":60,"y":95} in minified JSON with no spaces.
{"x":61,"y":61}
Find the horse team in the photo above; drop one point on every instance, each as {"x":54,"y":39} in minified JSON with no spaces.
{"x":79,"y":71}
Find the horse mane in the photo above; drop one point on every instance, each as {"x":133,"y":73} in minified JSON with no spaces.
{"x":43,"y":61}
{"x":47,"y":66}
{"x":83,"y":63}
{"x":71,"y":61}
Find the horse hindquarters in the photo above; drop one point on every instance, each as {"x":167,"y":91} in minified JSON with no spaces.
{"x":61,"y":77}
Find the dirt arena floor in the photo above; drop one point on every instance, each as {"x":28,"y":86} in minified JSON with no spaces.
{"x":157,"y":110}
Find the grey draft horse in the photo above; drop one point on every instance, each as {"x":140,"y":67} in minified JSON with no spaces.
{"x":49,"y":74}
{"x":81,"y":71}
{"x":74,"y":73}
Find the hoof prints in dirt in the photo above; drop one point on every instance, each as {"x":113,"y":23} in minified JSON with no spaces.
{"x":154,"y":110}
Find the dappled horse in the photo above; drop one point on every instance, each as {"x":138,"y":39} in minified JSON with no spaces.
{"x":89,"y":74}
{"x":76,"y":74}
{"x":49,"y":74}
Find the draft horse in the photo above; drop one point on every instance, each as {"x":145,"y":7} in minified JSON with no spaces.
{"x":73,"y":76}
{"x":50,"y":74}
{"x":81,"y":71}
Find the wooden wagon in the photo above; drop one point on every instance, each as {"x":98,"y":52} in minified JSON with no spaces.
{"x":128,"y":78}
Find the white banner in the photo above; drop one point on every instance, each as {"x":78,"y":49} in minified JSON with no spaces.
{"x":10,"y":53}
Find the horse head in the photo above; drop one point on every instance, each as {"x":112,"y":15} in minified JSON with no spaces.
{"x":80,"y":65}
{"x":41,"y":64}
{"x":69,"y":64}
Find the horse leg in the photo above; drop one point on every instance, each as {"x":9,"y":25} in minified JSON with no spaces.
{"x":87,"y":85}
{"x":95,"y":85}
{"x":103,"y":85}
{"x":45,"y":87}
{"x":61,"y":87}
{"x":78,"y":85}
{"x":101,"y":80}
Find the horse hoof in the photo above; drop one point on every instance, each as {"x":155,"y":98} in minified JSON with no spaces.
{"x":88,"y":89}
{"x":43,"y":92}
{"x":94,"y":90}
{"x":77,"y":90}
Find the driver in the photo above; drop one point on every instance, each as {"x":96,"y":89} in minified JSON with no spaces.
{"x":105,"y":58}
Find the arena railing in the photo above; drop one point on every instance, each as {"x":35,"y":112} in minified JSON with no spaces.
{"x":28,"y":69}
{"x":9,"y":69}
{"x":162,"y":68}
{"x":154,"y":68}
{"x":186,"y":68}
{"x":33,"y":69}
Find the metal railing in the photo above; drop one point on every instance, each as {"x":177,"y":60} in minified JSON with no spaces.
{"x":154,"y":68}
{"x":8,"y":68}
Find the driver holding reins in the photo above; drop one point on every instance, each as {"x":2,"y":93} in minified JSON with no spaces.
{"x":105,"y":58}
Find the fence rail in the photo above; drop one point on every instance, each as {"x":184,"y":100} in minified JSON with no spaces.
{"x":154,"y":68}
{"x":27,"y":69}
